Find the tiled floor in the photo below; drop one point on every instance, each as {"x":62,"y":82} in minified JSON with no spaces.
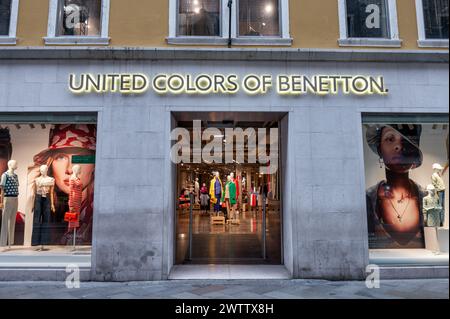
{"x":229,"y":272}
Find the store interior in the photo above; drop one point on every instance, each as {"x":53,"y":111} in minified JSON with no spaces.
{"x":206,"y":234}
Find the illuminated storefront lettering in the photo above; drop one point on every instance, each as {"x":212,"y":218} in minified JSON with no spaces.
{"x":207,"y":84}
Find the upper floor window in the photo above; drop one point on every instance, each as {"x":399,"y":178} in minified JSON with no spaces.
{"x":368,"y":23}
{"x":8,"y":21}
{"x":79,"y":17}
{"x":432,"y":23}
{"x":367,"y":19}
{"x":435,"y":13}
{"x":78,"y":22}
{"x":5,"y":16}
{"x":199,"y":18}
{"x":259,"y":18}
{"x":253,"y":22}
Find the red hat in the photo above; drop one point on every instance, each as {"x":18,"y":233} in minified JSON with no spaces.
{"x":64,"y":136}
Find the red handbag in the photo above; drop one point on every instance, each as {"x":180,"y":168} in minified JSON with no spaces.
{"x":71,"y":217}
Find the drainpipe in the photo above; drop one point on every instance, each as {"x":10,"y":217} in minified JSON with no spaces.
{"x":230,"y":7}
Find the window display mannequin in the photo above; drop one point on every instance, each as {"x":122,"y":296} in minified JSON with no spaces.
{"x":229,"y":197}
{"x":9,"y":188}
{"x":75,"y":195}
{"x":432,"y":208}
{"x":236,"y":182}
{"x":439,"y":186}
{"x":44,"y":205}
{"x":215,"y":191}
{"x":204,"y":199}
{"x":197,"y":190}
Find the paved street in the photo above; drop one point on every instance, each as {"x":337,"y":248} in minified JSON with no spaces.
{"x":223,"y":289}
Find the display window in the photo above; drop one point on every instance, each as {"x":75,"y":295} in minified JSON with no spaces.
{"x":47,"y":184}
{"x":406,"y":166}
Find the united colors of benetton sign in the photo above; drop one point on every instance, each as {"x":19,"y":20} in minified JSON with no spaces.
{"x":209,"y":84}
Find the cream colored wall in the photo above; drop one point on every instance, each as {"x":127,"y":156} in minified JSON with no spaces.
{"x":144,"y":23}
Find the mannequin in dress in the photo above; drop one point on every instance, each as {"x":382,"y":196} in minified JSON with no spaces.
{"x":215,"y":191}
{"x":439,"y":186}
{"x":9,"y":188}
{"x":44,"y":205}
{"x":76,"y":193}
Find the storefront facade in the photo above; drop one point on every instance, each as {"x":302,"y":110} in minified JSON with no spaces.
{"x":330,"y":153}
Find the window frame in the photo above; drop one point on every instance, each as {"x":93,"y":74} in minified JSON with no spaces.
{"x":11,"y":38}
{"x":283,"y":40}
{"x":53,"y":39}
{"x":423,"y":42}
{"x":394,"y":37}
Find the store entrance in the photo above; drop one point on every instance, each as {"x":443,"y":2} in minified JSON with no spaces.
{"x":230,"y":213}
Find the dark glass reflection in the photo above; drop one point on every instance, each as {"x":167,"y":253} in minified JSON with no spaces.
{"x":259,"y":18}
{"x":199,"y":18}
{"x":436,"y":19}
{"x":5,"y":17}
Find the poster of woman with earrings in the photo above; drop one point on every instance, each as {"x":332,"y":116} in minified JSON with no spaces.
{"x":397,"y":173}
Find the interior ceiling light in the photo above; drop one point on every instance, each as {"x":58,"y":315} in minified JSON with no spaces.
{"x":268,"y":8}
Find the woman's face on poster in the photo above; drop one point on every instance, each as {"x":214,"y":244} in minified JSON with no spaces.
{"x":62,"y":170}
{"x":398,"y":154}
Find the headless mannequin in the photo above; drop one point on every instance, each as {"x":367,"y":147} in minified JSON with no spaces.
{"x":9,"y":195}
{"x":43,"y":207}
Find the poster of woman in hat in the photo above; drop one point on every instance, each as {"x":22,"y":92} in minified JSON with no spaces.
{"x":65,"y":142}
{"x":394,"y":205}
